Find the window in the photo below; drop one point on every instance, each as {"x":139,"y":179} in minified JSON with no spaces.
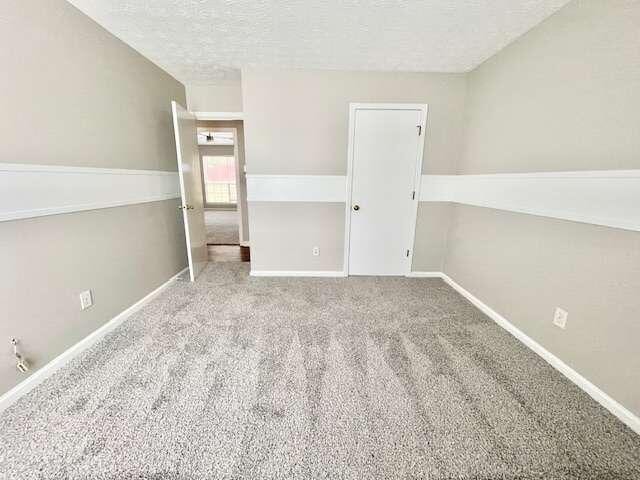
{"x":219,"y":180}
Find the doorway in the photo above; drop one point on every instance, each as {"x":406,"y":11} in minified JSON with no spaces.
{"x":221,"y":147}
{"x":386,"y":144}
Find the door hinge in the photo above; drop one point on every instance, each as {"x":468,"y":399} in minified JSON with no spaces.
{"x":407,"y":255}
{"x":419,"y":127}
{"x":413,"y":195}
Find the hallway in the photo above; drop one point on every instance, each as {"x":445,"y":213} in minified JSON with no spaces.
{"x":222,"y":227}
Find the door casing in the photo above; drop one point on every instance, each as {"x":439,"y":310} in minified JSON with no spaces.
{"x":353,"y":108}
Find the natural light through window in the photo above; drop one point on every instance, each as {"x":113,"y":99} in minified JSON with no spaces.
{"x":219,"y":179}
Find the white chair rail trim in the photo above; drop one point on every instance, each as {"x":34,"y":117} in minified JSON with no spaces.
{"x":296,"y":188}
{"x":28,"y":191}
{"x":609,"y":198}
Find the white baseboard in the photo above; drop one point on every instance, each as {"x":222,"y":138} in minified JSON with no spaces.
{"x":297,"y":273}
{"x":623,"y":414}
{"x":424,"y":274}
{"x":10,"y":397}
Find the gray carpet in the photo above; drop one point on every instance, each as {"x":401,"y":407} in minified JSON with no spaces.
{"x":222,"y":227}
{"x":359,"y":378}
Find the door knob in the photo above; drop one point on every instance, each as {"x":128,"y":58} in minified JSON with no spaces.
{"x":356,"y":207}
{"x":189,"y":207}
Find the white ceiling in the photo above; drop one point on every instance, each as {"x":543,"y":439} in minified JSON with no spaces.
{"x":208,"y":41}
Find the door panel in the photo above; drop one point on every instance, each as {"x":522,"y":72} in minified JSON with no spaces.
{"x":189,"y":170}
{"x":386,"y":149}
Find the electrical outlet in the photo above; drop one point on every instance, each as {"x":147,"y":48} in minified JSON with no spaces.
{"x":316,"y":251}
{"x":560,"y":318}
{"x":86,"y":299}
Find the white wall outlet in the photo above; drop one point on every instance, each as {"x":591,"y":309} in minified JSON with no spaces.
{"x":86,"y":299}
{"x":316,"y":251}
{"x":560,"y":318}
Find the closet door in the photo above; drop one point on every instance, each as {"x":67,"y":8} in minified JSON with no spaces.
{"x":386,"y":151}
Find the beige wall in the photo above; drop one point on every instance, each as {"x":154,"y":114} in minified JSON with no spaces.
{"x":283,"y":235}
{"x":121,"y":253}
{"x":224,"y":96}
{"x":75,"y":95}
{"x":566,"y":96}
{"x":525,"y":266}
{"x":432,"y":229}
{"x":297,"y":121}
{"x":297,"y":124}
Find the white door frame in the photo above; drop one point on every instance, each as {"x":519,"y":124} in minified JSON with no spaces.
{"x":353,"y":107}
{"x":239,"y":191}
{"x":219,"y":115}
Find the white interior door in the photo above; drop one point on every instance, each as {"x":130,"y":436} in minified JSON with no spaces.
{"x":189,"y":170}
{"x":386,"y":162}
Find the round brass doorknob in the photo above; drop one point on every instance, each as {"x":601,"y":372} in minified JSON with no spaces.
{"x":356,"y":207}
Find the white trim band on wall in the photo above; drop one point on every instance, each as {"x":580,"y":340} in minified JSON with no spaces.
{"x":28,"y":191}
{"x":603,"y":197}
{"x":296,"y":188}
{"x":609,"y":198}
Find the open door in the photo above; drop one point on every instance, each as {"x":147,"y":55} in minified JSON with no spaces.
{"x":184,"y":125}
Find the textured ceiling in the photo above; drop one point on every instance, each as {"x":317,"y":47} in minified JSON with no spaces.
{"x":207,"y":41}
